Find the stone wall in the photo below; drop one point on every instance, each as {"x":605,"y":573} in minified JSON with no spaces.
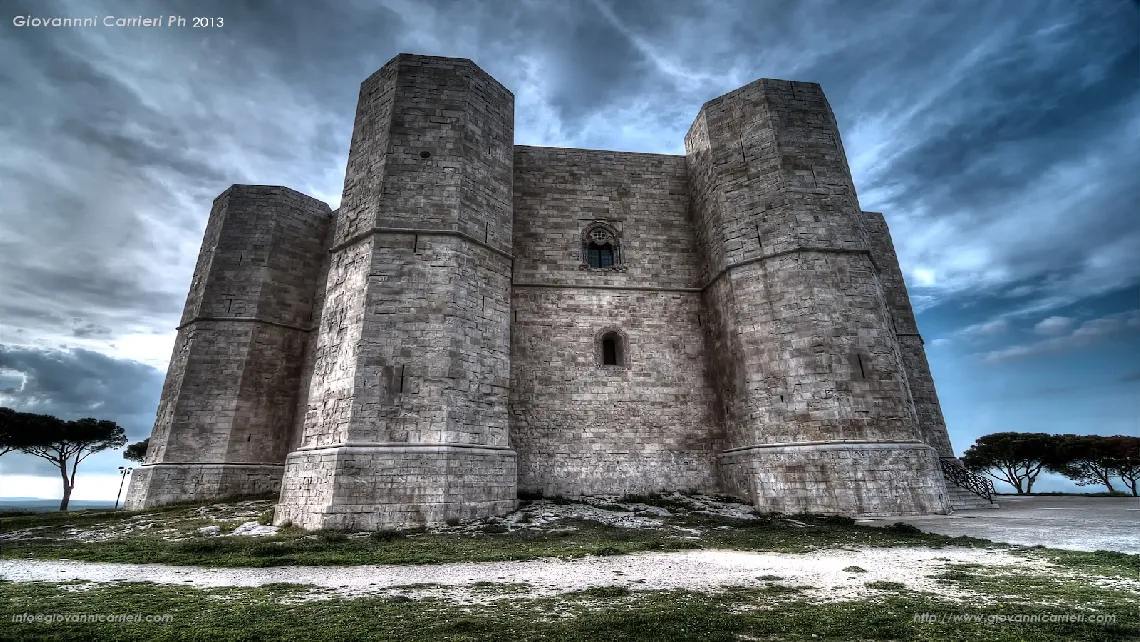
{"x":233,"y":378}
{"x":160,"y":484}
{"x":931,"y":424}
{"x":411,"y":364}
{"x":310,"y":354}
{"x":397,"y":486}
{"x":581,"y":427}
{"x":838,"y":478}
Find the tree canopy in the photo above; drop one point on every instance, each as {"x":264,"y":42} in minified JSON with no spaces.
{"x":1018,"y":458}
{"x":1086,"y":459}
{"x":64,"y":443}
{"x":136,"y":452}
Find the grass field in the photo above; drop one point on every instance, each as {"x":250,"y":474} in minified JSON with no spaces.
{"x":1003,"y":604}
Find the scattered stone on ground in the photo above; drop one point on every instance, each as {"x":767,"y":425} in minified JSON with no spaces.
{"x":169,"y":525}
{"x":253,"y":529}
{"x":548,"y":515}
{"x":611,"y":510}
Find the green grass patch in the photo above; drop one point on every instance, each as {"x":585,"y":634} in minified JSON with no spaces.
{"x":296,"y":547}
{"x":884,"y":585}
{"x":601,"y":613}
{"x":1020,"y":590}
{"x":1108,"y":563}
{"x":573,"y":538}
{"x":605,"y":592}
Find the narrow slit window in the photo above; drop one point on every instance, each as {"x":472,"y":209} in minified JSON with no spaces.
{"x":609,"y":352}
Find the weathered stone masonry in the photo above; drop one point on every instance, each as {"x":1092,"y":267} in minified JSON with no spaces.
{"x":442,"y":341}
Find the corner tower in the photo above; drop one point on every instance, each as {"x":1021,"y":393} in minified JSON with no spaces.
{"x":813,"y":390}
{"x":406,"y":421}
{"x":226,"y":409}
{"x":931,"y":423}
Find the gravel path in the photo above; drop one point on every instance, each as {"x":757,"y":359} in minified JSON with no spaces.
{"x":820,"y":572}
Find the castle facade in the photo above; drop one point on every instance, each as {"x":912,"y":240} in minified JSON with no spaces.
{"x":480,"y":318}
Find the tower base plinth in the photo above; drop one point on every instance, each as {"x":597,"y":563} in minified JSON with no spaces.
{"x":160,"y":484}
{"x":838,"y":478}
{"x":373,"y":487}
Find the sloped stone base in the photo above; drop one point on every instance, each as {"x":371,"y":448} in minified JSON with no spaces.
{"x":372,"y":487}
{"x":838,"y":478}
{"x":160,"y":484}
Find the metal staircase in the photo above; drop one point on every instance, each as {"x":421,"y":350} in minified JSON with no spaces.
{"x":966,"y":490}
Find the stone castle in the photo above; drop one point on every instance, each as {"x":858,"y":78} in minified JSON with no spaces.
{"x":480,"y":319}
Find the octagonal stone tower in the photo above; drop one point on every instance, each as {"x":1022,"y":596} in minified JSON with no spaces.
{"x":227,"y":405}
{"x":406,"y":420}
{"x":813,"y":391}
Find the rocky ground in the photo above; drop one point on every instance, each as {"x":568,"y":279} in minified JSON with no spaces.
{"x":844,"y":572}
{"x":241,"y":518}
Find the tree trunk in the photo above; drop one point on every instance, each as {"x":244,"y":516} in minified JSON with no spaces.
{"x":74,"y":469}
{"x":66,"y":496}
{"x":67,"y":484}
{"x":1014,"y":480}
{"x":1108,"y":483}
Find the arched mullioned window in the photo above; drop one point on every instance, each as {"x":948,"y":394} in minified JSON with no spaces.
{"x":600,"y":256}
{"x":601,"y":248}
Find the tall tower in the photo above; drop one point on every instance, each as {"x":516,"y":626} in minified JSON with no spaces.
{"x":931,"y":423}
{"x":814,"y":394}
{"x":226,"y":409}
{"x":407,"y":407}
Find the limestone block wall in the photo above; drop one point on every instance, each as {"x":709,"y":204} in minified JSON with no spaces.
{"x":931,"y":423}
{"x":408,"y":394}
{"x":841,"y":478}
{"x":581,"y":427}
{"x":309,"y":357}
{"x":816,"y":361}
{"x":226,"y":410}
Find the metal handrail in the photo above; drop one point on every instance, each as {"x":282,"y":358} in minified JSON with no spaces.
{"x":972,"y":482}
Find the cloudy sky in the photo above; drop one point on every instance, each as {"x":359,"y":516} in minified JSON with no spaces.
{"x":1000,"y":138}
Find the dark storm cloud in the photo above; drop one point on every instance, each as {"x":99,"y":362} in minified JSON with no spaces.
{"x":80,"y":383}
{"x":75,"y":384}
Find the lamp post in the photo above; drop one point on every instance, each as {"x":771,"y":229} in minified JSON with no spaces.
{"x":123,"y":472}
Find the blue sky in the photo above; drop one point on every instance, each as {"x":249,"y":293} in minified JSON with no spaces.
{"x":1000,"y":139}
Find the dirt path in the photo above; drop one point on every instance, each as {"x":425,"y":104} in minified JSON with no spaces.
{"x":821,"y":573}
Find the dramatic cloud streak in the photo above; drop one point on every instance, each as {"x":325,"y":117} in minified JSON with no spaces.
{"x":1086,"y":334}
